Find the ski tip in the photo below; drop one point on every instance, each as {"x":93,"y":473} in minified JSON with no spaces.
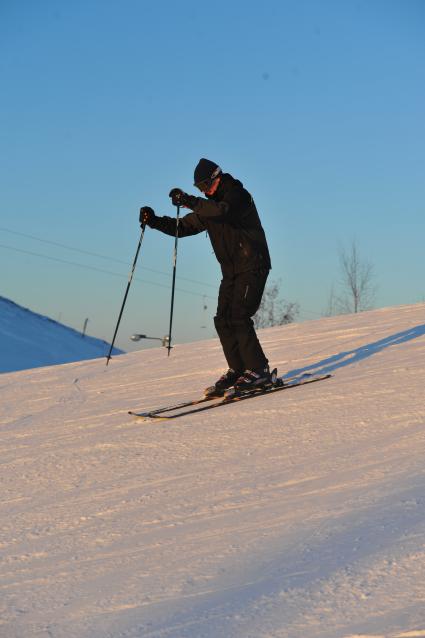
{"x":139,"y":416}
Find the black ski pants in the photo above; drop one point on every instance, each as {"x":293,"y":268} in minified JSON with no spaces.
{"x":238,"y":300}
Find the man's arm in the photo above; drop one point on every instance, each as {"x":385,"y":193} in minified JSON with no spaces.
{"x":189,"y":224}
{"x":234,"y":202}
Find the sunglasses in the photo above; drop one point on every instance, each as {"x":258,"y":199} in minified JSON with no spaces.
{"x":205,"y":184}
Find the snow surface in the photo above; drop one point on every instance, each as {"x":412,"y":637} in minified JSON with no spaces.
{"x":30,"y":340}
{"x":297,"y":515}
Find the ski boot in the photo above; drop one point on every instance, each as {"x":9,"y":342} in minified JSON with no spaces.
{"x":252,"y":380}
{"x":222,"y":384}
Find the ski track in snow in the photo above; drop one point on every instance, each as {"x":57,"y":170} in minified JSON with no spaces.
{"x":300,"y":514}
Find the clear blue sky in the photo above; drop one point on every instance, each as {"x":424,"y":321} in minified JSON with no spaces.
{"x":317,"y":106}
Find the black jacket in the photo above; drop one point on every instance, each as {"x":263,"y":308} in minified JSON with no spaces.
{"x":232,"y":222}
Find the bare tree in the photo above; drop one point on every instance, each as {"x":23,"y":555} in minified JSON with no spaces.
{"x":357,"y":282}
{"x":274,"y":311}
{"x":332,"y":303}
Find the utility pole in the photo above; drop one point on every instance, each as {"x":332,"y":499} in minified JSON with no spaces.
{"x":83,"y":334}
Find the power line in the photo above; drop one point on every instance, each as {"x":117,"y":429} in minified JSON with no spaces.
{"x":98,"y":255}
{"x":101,"y":270}
{"x":303,"y":310}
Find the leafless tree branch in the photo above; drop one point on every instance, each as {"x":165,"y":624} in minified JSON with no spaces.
{"x":274,"y":311}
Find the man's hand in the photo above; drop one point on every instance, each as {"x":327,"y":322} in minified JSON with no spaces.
{"x":180,"y":198}
{"x":147,"y":215}
{"x":177,"y":196}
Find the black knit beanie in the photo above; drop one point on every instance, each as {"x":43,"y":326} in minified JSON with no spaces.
{"x":205,"y":170}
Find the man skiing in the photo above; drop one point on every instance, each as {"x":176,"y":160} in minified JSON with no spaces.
{"x":230,"y":217}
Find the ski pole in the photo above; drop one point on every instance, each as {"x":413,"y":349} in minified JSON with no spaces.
{"x":126,"y":293}
{"x":174,"y":279}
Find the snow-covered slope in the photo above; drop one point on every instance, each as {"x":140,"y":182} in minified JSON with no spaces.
{"x":30,"y":340}
{"x":300,"y":514}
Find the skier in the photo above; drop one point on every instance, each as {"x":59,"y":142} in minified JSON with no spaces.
{"x":230,"y":217}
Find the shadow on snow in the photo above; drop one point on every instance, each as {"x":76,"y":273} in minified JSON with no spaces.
{"x":348,"y":357}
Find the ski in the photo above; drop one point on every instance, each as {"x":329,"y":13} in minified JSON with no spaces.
{"x":187,"y":404}
{"x":176,"y":406}
{"x":159,"y":414}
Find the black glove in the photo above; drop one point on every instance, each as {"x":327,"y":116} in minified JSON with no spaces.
{"x":180,"y":198}
{"x":147,"y":215}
